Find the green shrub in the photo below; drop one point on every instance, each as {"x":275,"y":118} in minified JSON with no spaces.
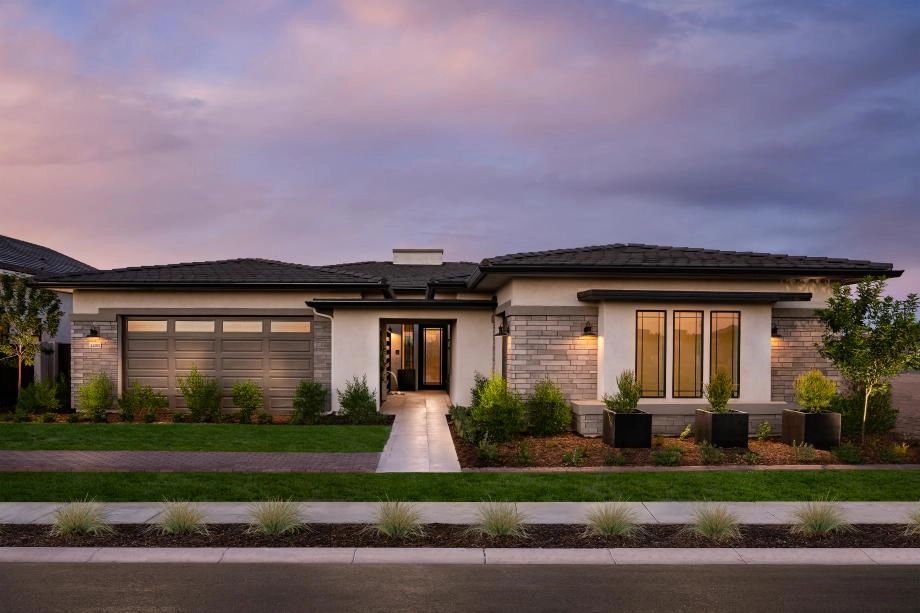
{"x":614,"y":458}
{"x":574,"y":457}
{"x":398,"y":519}
{"x":463,"y":424}
{"x":710,"y":454}
{"x":78,"y":518}
{"x":38,"y":397}
{"x":275,"y":517}
{"x":750,"y":457}
{"x":686,"y":433}
{"x":629,"y":390}
{"x":548,"y":412}
{"x":819,"y":517}
{"x":96,"y":396}
{"x":247,"y":397}
{"x":499,"y":519}
{"x":479,"y":382}
{"x":202,"y":396}
{"x":309,"y":402}
{"x":666,"y":456}
{"x":718,"y":391}
{"x":62,"y":390}
{"x":22,"y":417}
{"x":73,"y":418}
{"x":896,"y":453}
{"x":179,"y":417}
{"x":615,"y":519}
{"x":523,"y":456}
{"x":714,"y":522}
{"x":881,"y":417}
{"x":357,"y":402}
{"x":181,"y":517}
{"x":803,"y":452}
{"x":141,"y":399}
{"x":499,"y":411}
{"x":848,"y":454}
{"x":764,"y":431}
{"x":814,"y":391}
{"x":487,"y":453}
{"x":264,"y":419}
{"x":49,"y":418}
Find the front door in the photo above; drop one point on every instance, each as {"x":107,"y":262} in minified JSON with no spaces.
{"x":433,"y":357}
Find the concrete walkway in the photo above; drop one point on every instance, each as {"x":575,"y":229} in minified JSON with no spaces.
{"x":420,"y":439}
{"x":186,"y":461}
{"x":466,"y":512}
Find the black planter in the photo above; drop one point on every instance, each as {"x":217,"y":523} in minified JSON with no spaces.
{"x":722,"y":429}
{"x":628,"y":430}
{"x":820,"y":429}
{"x":405,"y":379}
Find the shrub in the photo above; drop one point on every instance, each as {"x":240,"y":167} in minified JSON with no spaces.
{"x":479,"y":382}
{"x":612,"y":519}
{"x":710,"y":454}
{"x":614,"y":458}
{"x":398,"y":519}
{"x":82,"y":517}
{"x":141,"y":399}
{"x":264,"y":419}
{"x":764,"y":431}
{"x":22,"y":417}
{"x":881,"y":417}
{"x":718,"y":391}
{"x":275,"y":517}
{"x":179,"y":417}
{"x":309,"y":402}
{"x":848,"y":454}
{"x":814,"y":391}
{"x":714,"y":522}
{"x":202,"y":396}
{"x":574,"y":457}
{"x":666,"y":456}
{"x":73,"y":418}
{"x":548,"y":412}
{"x":686,"y":433}
{"x":38,"y":397}
{"x":463,"y":424}
{"x":180,"y":517}
{"x":62,"y":390}
{"x":49,"y":418}
{"x":523,"y":456}
{"x":629,"y":390}
{"x":487,"y":453}
{"x":896,"y":453}
{"x":750,"y":457}
{"x":499,"y":519}
{"x":358,"y":402}
{"x":819,"y":517}
{"x":499,"y":411}
{"x":913,"y":523}
{"x":247,"y":397}
{"x":96,"y":396}
{"x":803,"y":452}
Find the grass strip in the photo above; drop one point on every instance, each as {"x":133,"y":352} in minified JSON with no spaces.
{"x":714,"y":486}
{"x":192,"y":437}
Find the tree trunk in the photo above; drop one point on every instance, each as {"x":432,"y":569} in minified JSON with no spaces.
{"x":19,"y":377}
{"x":862,"y":433}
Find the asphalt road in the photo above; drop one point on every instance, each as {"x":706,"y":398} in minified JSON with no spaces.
{"x":277,"y":588}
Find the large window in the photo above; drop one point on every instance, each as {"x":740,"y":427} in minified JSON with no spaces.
{"x":725,"y":346}
{"x":650,"y":358}
{"x":688,"y":354}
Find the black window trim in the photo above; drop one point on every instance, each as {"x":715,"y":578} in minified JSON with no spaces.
{"x":736,"y":385}
{"x":663,"y":386}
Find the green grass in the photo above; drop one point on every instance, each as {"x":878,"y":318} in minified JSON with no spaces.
{"x":713,"y":486}
{"x":192,"y":437}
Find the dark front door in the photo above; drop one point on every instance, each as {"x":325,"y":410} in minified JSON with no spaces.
{"x":433,"y":357}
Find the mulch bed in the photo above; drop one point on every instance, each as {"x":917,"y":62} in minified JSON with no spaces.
{"x":549,"y":451}
{"x":445,"y":535}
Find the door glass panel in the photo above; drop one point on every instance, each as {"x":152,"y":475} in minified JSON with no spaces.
{"x":432,"y":356}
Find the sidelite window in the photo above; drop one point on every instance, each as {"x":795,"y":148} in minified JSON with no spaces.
{"x":688,"y":354}
{"x":650,"y":338}
{"x":725,"y":346}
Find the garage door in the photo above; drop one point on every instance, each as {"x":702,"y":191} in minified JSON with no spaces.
{"x":275,"y":351}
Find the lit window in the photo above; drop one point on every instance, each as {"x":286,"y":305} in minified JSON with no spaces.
{"x":242,"y":326}
{"x":725,"y":346}
{"x":301,"y":327}
{"x":688,"y":354}
{"x":141,"y":325}
{"x":194,"y":326}
{"x":650,"y":352}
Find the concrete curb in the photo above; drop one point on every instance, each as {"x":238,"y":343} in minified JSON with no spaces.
{"x":690,"y":469}
{"x":473,"y":556}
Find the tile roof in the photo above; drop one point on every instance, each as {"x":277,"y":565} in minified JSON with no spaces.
{"x":32,"y":259}
{"x":411,"y":276}
{"x":244,"y":271}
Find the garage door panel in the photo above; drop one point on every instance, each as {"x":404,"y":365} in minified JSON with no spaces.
{"x":201,"y":363}
{"x":144,"y":344}
{"x":288,"y":364}
{"x":285,"y":383}
{"x":236,"y":363}
{"x":158,"y":383}
{"x":281,"y":403}
{"x":241,"y":345}
{"x":147,"y":363}
{"x":277,"y":346}
{"x":187,"y":344}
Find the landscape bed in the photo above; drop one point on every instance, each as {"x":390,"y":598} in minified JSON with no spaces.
{"x":448,"y":535}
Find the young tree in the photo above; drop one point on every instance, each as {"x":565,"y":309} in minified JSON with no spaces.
{"x":870,"y":338}
{"x":26,"y":313}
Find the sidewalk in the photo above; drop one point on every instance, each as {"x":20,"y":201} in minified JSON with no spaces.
{"x":465,"y":512}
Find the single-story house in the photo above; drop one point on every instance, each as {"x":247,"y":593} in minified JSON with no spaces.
{"x":19,"y":257}
{"x":578,"y":316}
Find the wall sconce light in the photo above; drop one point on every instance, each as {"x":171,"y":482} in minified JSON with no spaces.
{"x":93,"y":332}
{"x":589,"y":329}
{"x":774,"y":332}
{"x":502,"y":327}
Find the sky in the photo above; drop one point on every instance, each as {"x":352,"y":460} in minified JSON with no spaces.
{"x":141,"y":132}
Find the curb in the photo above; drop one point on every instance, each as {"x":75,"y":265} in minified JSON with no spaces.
{"x":473,"y":556}
{"x":690,"y":469}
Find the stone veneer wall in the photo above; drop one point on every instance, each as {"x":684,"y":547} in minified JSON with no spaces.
{"x":322,"y":355}
{"x":796,"y":351}
{"x":552,"y":346}
{"x":90,"y":356}
{"x":905,"y":395}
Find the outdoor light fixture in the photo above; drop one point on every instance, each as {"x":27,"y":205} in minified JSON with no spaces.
{"x":774,"y":332}
{"x":589,"y":330}
{"x":502,"y":328}
{"x":93,"y":332}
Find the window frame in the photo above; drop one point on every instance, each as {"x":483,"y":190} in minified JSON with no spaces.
{"x":663,"y":349}
{"x":736,"y":365}
{"x":701,"y":316}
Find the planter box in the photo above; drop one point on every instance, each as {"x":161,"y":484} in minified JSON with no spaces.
{"x":820,"y":429}
{"x":628,"y":430}
{"x":722,"y":429}
{"x":405,"y":379}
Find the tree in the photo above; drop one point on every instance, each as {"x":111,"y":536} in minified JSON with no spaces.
{"x":26,"y":314}
{"x":870,"y":338}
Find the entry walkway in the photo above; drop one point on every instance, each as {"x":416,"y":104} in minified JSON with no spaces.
{"x":420,"y":439}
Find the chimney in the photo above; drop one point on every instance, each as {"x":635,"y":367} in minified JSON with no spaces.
{"x":430,"y":257}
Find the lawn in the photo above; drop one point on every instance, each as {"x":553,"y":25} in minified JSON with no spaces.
{"x":192,"y":437}
{"x":901,"y":485}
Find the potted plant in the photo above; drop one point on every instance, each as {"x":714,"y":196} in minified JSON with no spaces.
{"x":624,"y":424}
{"x":815,"y":425}
{"x":718,"y":424}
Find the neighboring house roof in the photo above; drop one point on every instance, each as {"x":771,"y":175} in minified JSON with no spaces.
{"x":411,"y":276}
{"x":247,"y":272}
{"x":31,"y":259}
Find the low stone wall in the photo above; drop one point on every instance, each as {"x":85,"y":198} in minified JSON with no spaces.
{"x":905,"y":394}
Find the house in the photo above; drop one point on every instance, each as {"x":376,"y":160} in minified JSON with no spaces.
{"x":578,"y":316}
{"x":28,"y":259}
